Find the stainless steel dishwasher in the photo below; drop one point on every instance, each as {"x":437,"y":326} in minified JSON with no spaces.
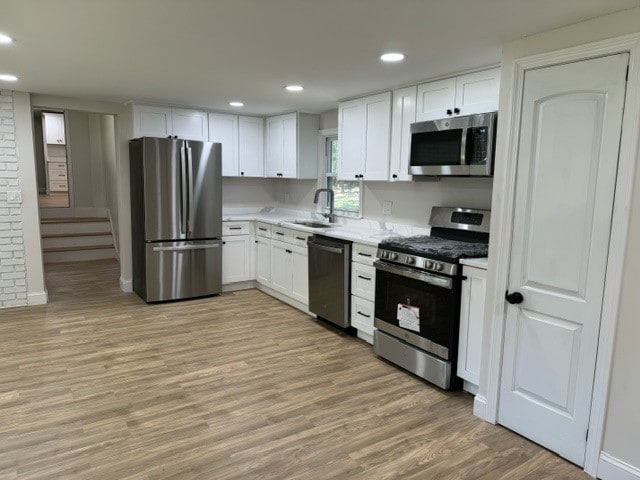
{"x":330,"y":279}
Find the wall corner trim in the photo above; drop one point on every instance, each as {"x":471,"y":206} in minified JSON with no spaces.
{"x":611,"y":468}
{"x":126,"y":285}
{"x":480,"y":408}
{"x":37,"y":298}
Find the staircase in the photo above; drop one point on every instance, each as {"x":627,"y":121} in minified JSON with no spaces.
{"x":76,"y":239}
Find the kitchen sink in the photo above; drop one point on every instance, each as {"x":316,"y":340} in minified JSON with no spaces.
{"x":312,"y":224}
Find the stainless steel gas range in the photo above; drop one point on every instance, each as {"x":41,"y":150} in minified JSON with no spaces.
{"x":418,"y":283}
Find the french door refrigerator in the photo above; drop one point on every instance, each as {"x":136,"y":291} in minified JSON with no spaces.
{"x":176,"y":218}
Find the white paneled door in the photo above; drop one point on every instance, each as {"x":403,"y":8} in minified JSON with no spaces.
{"x":566,"y":175}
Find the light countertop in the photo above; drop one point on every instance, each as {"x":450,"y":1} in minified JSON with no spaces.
{"x":476,"y":262}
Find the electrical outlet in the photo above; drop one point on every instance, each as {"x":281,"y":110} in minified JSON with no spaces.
{"x":386,"y":207}
{"x":14,"y":196}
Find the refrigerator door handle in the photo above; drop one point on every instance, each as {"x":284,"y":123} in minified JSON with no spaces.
{"x":183,"y":191}
{"x":190,"y":204}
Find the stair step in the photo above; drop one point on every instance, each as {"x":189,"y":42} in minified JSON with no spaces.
{"x":76,"y":234}
{"x":79,"y":255}
{"x":74,"y":220}
{"x":73,"y":249}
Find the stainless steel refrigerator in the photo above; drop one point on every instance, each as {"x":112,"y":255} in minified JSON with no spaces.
{"x":176,"y":218}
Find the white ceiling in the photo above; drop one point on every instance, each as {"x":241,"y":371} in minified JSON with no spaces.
{"x":208,"y":52}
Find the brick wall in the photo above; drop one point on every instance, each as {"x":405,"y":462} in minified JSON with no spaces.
{"x":13,"y":283}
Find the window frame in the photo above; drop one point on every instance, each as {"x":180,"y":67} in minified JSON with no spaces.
{"x":324,"y":159}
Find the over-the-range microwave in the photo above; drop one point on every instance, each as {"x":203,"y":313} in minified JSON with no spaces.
{"x":459,"y":146}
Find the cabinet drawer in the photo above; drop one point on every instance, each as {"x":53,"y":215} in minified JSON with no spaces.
{"x":58,"y":176}
{"x":235,"y":228}
{"x":362,"y":312}
{"x":53,"y":166}
{"x":364,"y":254}
{"x":299,"y":238}
{"x":363,"y":281}
{"x":58,"y":186}
{"x":263,"y":229}
{"x":282,"y":234}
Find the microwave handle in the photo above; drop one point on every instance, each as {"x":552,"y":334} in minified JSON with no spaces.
{"x":463,"y":146}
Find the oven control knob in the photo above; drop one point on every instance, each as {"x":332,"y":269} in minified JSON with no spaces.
{"x":393,"y":256}
{"x":410,"y":260}
{"x":428,"y":264}
{"x":438,"y":267}
{"x":384,"y":254}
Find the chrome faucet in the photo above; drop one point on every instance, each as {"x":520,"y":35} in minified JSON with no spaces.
{"x":330,"y":215}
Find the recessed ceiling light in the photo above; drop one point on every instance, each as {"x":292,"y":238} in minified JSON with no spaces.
{"x":294,"y":88}
{"x":392,"y":57}
{"x":5,"y":39}
{"x":8,"y":78}
{"x":236,"y":104}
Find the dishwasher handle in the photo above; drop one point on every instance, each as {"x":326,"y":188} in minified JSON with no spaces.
{"x":326,"y":248}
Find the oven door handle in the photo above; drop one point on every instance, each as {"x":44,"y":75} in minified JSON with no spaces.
{"x":436,"y":280}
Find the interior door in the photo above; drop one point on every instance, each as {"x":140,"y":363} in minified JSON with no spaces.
{"x":566,"y":174}
{"x":205,"y":189}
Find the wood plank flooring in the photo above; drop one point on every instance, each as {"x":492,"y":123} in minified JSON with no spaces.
{"x":99,"y":385}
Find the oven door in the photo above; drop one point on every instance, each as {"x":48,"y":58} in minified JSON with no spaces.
{"x":418,"y":307}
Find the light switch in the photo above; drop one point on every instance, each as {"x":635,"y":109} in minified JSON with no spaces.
{"x":14,"y":196}
{"x":386,"y":207}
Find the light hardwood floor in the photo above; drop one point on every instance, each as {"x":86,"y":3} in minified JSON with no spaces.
{"x":99,"y":385}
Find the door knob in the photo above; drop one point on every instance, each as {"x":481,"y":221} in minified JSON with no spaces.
{"x":514,"y":298}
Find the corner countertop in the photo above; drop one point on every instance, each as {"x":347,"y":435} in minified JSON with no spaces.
{"x":358,"y":231}
{"x":476,"y":262}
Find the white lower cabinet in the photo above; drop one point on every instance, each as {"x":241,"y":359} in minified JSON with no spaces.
{"x":289,"y":270}
{"x":363,"y":290}
{"x":471,"y":326}
{"x":238,"y":252}
{"x":263,"y":260}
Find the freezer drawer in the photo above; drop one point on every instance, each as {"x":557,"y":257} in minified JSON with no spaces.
{"x":177,"y":270}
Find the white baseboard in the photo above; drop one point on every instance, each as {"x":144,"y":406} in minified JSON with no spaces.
{"x":611,"y":468}
{"x":232,"y":287}
{"x":480,"y":408}
{"x":126,"y":285}
{"x":37,"y":298}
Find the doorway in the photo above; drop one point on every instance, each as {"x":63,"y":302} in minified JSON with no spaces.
{"x":52,"y":159}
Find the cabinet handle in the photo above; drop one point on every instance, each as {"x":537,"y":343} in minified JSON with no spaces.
{"x":288,"y":251}
{"x":241,"y":173}
{"x":356,"y":176}
{"x":279,"y":233}
{"x":394,"y":176}
{"x":449,"y":112}
{"x":262,"y":229}
{"x":255,"y":241}
{"x":364,"y":278}
{"x":235,"y":228}
{"x":364,"y":314}
{"x":224,"y":243}
{"x":456,"y":111}
{"x":300,"y":238}
{"x":364,"y":254}
{"x":463,"y":278}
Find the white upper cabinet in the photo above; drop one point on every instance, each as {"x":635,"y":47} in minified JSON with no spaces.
{"x":150,"y":121}
{"x":403,"y":115}
{"x":223,"y":129}
{"x":251,"y":146}
{"x":462,"y":95}
{"x":292,"y":146}
{"x":364,"y":131}
{"x":54,"y":128}
{"x":189,"y":124}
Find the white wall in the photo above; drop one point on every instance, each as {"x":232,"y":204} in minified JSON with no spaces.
{"x":622,"y":430}
{"x":110,"y":165}
{"x":248,"y":192}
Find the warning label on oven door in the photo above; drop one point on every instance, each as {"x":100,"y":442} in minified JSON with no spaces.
{"x":409,"y":317}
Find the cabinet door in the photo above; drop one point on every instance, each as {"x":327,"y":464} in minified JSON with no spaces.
{"x":275,"y":146}
{"x":251,"y":146}
{"x":290,"y":146}
{"x":54,"y":128}
{"x":351,"y":139}
{"x":223,"y":128}
{"x":377,"y":115}
{"x":300,"y":274}
{"x":151,"y":121}
{"x":478,"y":92}
{"x":403,"y":115}
{"x":236,"y":259}
{"x":263,"y":260}
{"x":435,"y":98}
{"x":471,"y":324}
{"x":189,"y":124}
{"x":281,"y":267}
{"x":362,"y":312}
